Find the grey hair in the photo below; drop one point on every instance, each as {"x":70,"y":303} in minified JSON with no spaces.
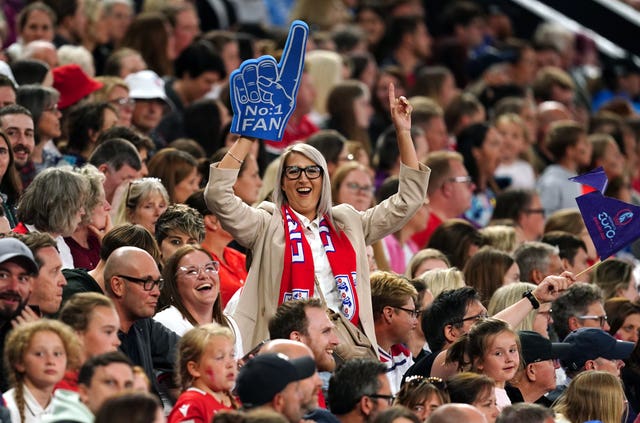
{"x":108,"y":4}
{"x":95,"y":180}
{"x":311,"y":153}
{"x":50,"y":200}
{"x":532,"y":256}
{"x":137,"y":191}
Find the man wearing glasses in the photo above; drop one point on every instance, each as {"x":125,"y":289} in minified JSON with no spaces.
{"x":393,"y":300}
{"x":133,"y":282}
{"x":359,"y":390}
{"x":580,"y":306}
{"x":450,"y":190}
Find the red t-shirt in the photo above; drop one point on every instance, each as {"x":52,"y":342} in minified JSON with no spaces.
{"x":292,"y":134}
{"x":421,"y":238}
{"x":195,"y":405}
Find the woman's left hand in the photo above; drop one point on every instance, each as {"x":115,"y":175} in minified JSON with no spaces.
{"x":100,"y":233}
{"x":400,"y":110}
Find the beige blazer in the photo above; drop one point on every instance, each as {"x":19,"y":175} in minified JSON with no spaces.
{"x":261,"y":230}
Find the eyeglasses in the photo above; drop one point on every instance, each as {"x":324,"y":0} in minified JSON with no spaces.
{"x":534,"y":211}
{"x":601,"y":319}
{"x":124,"y":102}
{"x":389,"y":398}
{"x":51,"y":108}
{"x":475,"y":318}
{"x":365,"y":189}
{"x":417,"y":380}
{"x":294,"y":172}
{"x":413,"y":313}
{"x":461,"y":179}
{"x":147,"y":284}
{"x":193,"y":271}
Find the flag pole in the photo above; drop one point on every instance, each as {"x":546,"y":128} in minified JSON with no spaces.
{"x":593,"y":266}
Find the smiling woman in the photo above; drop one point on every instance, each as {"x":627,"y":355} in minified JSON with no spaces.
{"x":301,"y":238}
{"x":192,"y":293}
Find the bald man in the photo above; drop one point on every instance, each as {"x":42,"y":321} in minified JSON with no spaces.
{"x":454,"y":413}
{"x":133,"y":282}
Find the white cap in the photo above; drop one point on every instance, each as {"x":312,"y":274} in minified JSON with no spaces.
{"x":145,"y":84}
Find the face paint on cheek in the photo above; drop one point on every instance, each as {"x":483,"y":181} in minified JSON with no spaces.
{"x":209,"y":372}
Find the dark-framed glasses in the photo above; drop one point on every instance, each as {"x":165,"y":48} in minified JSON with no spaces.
{"x":475,"y":318}
{"x":601,"y":319}
{"x":412,"y":313}
{"x":535,"y":211}
{"x":209,"y":268}
{"x":147,"y":284}
{"x":294,"y":172}
{"x":388,"y":398}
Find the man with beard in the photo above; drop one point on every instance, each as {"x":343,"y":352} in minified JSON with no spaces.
{"x":17,"y":269}
{"x":16,"y":121}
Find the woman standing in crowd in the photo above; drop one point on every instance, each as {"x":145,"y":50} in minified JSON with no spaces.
{"x":304,"y":195}
{"x":616,"y":279}
{"x":476,"y":390}
{"x":488,"y":270}
{"x":422,"y":395}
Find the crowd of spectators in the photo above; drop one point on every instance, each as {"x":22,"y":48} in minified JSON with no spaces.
{"x":424,"y":172}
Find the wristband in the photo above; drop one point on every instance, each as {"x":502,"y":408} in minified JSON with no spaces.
{"x":235,"y":158}
{"x":528,"y":294}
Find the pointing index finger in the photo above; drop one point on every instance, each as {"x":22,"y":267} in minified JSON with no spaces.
{"x":292,"y":60}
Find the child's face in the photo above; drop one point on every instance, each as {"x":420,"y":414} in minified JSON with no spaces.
{"x":217,"y":368}
{"x":513,"y":141}
{"x":501,"y":358}
{"x":44,"y":360}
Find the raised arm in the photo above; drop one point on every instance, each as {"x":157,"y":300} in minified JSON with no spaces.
{"x":401,"y":118}
{"x":236,"y":154}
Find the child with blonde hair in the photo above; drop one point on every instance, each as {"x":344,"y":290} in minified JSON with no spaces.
{"x":206,"y":373}
{"x":37,"y":355}
{"x":514,"y":147}
{"x":490,"y":348}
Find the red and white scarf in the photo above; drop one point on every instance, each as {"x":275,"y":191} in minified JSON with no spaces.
{"x":298,"y":275}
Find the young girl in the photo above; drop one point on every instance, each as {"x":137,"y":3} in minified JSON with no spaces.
{"x":207,"y":371}
{"x":491,"y":348}
{"x":514,"y":147}
{"x":37,"y":355}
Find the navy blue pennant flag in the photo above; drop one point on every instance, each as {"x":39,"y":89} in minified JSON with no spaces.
{"x":596,"y":179}
{"x":612,"y":224}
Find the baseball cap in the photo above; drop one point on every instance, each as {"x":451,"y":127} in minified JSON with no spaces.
{"x":591,"y":343}
{"x":536,"y":347}
{"x":146,"y":84}
{"x":15,"y":250}
{"x":265,"y":375}
{"x":73,"y":84}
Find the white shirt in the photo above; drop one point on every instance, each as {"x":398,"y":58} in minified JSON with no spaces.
{"x":63,"y":249}
{"x":33,"y":411}
{"x":321,"y":264}
{"x":172,"y":319}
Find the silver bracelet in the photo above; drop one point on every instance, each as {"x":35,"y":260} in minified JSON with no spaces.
{"x":235,"y":158}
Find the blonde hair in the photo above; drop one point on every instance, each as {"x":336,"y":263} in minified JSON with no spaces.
{"x":17,"y":344}
{"x":192,"y":345}
{"x":422,"y":256}
{"x":508,"y":295}
{"x":137,"y":192}
{"x":439,"y":280}
{"x":501,"y":237}
{"x":325,"y":67}
{"x":389,"y":289}
{"x":593,"y":395}
{"x":109,"y":83}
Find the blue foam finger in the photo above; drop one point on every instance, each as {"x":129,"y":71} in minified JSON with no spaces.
{"x":263,"y":92}
{"x":250,"y":76}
